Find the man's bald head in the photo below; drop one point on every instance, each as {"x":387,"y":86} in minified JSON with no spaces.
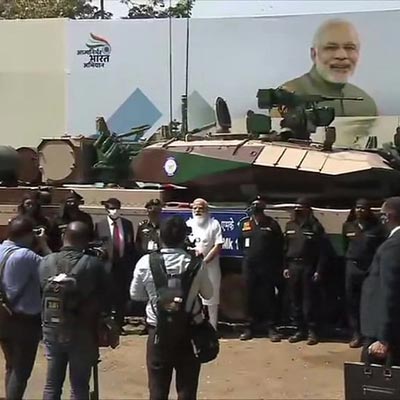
{"x":20,"y":228}
{"x":335,"y":50}
{"x":77,"y":235}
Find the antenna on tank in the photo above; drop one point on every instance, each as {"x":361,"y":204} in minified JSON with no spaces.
{"x":170,"y":66}
{"x":184,"y":127}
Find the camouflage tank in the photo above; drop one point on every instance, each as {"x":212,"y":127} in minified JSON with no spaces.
{"x":233,"y":167}
{"x":225,"y":167}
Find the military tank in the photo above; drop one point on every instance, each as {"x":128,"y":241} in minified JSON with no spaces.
{"x":227,"y":168}
{"x":224,"y":166}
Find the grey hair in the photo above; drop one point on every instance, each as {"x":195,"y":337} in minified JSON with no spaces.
{"x":321,"y":29}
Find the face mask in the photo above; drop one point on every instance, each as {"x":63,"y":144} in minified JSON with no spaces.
{"x":113,"y":213}
{"x":384,"y":219}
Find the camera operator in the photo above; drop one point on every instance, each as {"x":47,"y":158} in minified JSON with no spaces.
{"x":20,"y":304}
{"x":75,"y":293}
{"x":31,"y":207}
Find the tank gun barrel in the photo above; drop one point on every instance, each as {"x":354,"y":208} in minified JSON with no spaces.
{"x":270,"y":98}
{"x":137,"y":130}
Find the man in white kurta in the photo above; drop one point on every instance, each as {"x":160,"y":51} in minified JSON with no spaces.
{"x":207,"y":236}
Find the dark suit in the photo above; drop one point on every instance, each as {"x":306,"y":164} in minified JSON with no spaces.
{"x":380,"y":301}
{"x":121,"y":267}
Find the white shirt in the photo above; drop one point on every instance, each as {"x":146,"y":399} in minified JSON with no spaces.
{"x":176,"y":261}
{"x":111,"y":223}
{"x":394,"y":230}
{"x":206,"y":237}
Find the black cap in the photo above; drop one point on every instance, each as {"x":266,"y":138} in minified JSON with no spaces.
{"x":153,"y":203}
{"x":111,"y":203}
{"x":363,"y":203}
{"x":259,"y":202}
{"x":74,"y":196}
{"x":303,"y":202}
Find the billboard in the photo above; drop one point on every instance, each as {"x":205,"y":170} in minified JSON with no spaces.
{"x":336,"y":55}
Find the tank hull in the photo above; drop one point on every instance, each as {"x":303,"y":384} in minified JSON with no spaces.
{"x":228,"y":175}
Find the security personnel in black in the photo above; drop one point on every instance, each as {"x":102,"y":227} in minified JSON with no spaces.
{"x":262,"y":243}
{"x":304,"y":260}
{"x":363,"y":233}
{"x":148,"y":233}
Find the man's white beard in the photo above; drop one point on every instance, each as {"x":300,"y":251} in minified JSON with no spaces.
{"x":200,"y":220}
{"x":324,"y":72}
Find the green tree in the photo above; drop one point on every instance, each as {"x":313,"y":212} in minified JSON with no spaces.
{"x":32,"y":9}
{"x":158,"y":9}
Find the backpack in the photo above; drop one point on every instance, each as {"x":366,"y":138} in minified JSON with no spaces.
{"x":173,"y":321}
{"x":62,"y":296}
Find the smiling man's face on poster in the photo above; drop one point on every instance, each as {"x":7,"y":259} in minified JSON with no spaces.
{"x":335,"y":51}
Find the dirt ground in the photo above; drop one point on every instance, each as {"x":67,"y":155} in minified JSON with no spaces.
{"x":257,"y":369}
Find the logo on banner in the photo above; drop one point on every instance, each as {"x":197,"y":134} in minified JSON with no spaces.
{"x":98,"y":50}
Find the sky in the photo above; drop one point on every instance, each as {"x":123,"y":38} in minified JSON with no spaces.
{"x":249,"y":8}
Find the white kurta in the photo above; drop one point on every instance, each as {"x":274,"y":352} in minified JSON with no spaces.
{"x":206,"y":237}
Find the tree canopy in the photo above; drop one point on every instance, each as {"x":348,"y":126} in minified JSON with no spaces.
{"x":158,"y":9}
{"x":83,"y":9}
{"x":32,"y":9}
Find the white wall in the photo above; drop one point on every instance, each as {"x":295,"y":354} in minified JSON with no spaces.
{"x":32,"y":81}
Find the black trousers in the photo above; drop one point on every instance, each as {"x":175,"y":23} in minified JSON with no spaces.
{"x":161,"y":361}
{"x":394,"y":354}
{"x":303,"y":293}
{"x":20,"y":346}
{"x":354,"y":280}
{"x":262,"y":300}
{"x":120,"y":294}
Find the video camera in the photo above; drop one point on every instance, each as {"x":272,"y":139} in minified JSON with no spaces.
{"x":97,"y":249}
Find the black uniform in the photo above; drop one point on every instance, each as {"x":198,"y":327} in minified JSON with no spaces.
{"x":361,"y":240}
{"x":147,"y":237}
{"x":262,"y":243}
{"x":304,"y":256}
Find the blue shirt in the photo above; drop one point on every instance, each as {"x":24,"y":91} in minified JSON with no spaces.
{"x":21,"y":272}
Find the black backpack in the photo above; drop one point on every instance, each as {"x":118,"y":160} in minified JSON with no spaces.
{"x":62,"y":296}
{"x":173,"y":321}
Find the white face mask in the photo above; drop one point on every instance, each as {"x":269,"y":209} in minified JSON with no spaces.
{"x":114,"y":213}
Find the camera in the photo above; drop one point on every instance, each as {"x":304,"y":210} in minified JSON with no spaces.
{"x":96,"y":249}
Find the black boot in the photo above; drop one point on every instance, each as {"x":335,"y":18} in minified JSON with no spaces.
{"x":297,"y":337}
{"x":356,"y":341}
{"x":274,"y":335}
{"x":247,"y":334}
{"x":312,"y":338}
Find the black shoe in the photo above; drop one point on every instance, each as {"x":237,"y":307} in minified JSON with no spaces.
{"x":356,"y":342}
{"x":122,"y":332}
{"x":312,"y":338}
{"x":274,"y":335}
{"x":297,"y":337}
{"x":246,"y":335}
{"x":143,"y":332}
